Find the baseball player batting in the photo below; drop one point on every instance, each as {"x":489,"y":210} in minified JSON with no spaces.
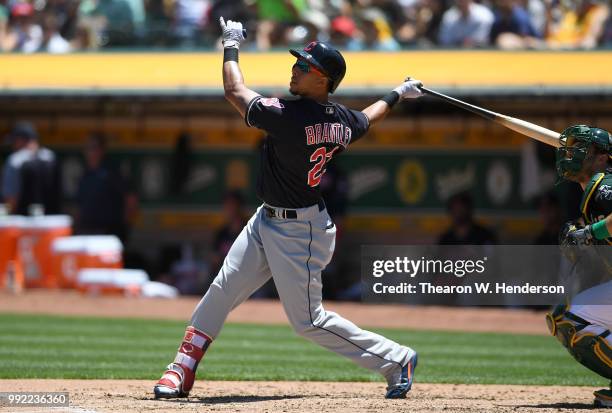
{"x":584,"y":329}
{"x":291,"y":237}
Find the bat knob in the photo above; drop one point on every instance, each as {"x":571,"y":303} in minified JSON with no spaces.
{"x":244,"y":33}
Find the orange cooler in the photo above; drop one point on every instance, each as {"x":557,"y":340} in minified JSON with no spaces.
{"x":39,"y":232}
{"x":10,"y":230}
{"x":71,"y":254}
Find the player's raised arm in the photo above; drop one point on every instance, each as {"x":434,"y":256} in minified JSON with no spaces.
{"x":379,"y":109}
{"x":233,"y":82}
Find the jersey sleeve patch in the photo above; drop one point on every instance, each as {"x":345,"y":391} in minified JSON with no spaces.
{"x":272,"y":102}
{"x":269,"y":114}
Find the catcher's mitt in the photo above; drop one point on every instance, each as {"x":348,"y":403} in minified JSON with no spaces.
{"x":575,"y":233}
{"x":574,"y":236}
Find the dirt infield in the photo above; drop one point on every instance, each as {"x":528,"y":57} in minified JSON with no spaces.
{"x":271,"y":312}
{"x":301,"y":397}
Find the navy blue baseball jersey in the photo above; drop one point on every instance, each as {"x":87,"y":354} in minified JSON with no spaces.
{"x":303,"y":136}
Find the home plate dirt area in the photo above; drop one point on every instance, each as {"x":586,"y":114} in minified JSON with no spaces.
{"x":244,"y":396}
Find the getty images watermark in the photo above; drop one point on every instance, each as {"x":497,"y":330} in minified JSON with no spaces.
{"x":480,"y":275}
{"x":449,"y":267}
{"x":34,"y":399}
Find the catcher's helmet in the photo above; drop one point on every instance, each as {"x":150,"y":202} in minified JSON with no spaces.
{"x":575,"y":142}
{"x":325,"y":58}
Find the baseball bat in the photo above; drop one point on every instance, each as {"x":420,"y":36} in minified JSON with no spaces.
{"x":532,"y":130}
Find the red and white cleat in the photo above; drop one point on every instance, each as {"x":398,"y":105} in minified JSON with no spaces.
{"x":171,"y":386}
{"x":178,"y":379}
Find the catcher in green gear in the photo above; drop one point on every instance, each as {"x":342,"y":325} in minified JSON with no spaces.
{"x":584,"y":330}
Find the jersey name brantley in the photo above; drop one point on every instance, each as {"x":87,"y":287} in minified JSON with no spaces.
{"x":334,"y":133}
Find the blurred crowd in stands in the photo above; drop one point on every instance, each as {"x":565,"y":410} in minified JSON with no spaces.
{"x":59,"y":26}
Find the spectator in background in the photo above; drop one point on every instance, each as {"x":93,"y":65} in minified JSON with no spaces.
{"x":275,"y":17}
{"x":112,"y":20}
{"x":4,"y":18}
{"x":344,"y":33}
{"x":537,"y":11}
{"x":53,"y":42}
{"x":235,"y":220}
{"x":399,"y":16}
{"x":190,"y":18}
{"x":84,"y":37}
{"x":512,"y":28}
{"x":182,"y":163}
{"x":464,"y":233}
{"x":606,"y":37}
{"x":314,"y":26}
{"x":427,"y":19}
{"x":350,"y":24}
{"x":66,"y":14}
{"x":550,"y":220}
{"x":31,"y":174}
{"x":106,"y":205}
{"x":188,"y":274}
{"x":377,"y":33}
{"x":24,"y":34}
{"x":394,"y":11}
{"x":580,"y":27}
{"x":466,"y":24}
{"x":138,"y":18}
{"x":464,"y":230}
{"x":157,"y":20}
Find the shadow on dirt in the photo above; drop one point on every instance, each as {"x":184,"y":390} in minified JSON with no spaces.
{"x":234,"y":399}
{"x":559,"y":406}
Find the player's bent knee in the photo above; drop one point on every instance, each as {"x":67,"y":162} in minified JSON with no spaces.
{"x":309,"y":325}
{"x":593,"y":351}
{"x":304,"y":329}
